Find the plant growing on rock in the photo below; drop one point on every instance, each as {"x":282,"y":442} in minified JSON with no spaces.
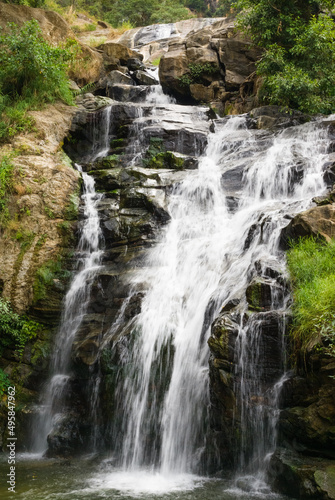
{"x":196,"y":73}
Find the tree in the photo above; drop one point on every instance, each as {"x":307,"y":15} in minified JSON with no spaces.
{"x":298,"y":64}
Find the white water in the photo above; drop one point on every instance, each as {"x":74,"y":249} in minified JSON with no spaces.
{"x":202,"y":259}
{"x":74,"y":309}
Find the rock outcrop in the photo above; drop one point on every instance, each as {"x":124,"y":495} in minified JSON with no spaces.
{"x":212,"y":65}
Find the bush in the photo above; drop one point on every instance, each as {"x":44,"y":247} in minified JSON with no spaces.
{"x":312,"y":267}
{"x":298,"y":64}
{"x":15,"y":330}
{"x":32,"y":73}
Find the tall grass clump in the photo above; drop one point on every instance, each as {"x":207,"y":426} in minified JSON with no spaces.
{"x":32,"y":73}
{"x":311,"y":264}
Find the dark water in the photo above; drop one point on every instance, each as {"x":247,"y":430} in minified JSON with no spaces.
{"x":93,"y":478}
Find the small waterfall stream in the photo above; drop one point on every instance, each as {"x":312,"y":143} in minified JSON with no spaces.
{"x":89,"y":252}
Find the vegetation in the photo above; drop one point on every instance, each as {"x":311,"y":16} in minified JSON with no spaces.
{"x":298,"y":65}
{"x":45,"y":276}
{"x":32,"y":73}
{"x":15,"y":330}
{"x":4,"y":383}
{"x":6,"y":185}
{"x":196,"y":73}
{"x":312,"y":268}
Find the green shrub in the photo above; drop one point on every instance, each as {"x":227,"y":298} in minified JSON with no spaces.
{"x":312,"y":268}
{"x":298,"y":63}
{"x":32,"y":72}
{"x":15,"y":330}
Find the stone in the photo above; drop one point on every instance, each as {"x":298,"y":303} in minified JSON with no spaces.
{"x":144,"y":78}
{"x":215,"y":54}
{"x":223,"y":337}
{"x":134,"y":64}
{"x":119,"y":51}
{"x":264,"y":294}
{"x":117,"y":77}
{"x":294,"y":474}
{"x":103,"y":25}
{"x":201,"y":93}
{"x":317,"y":221}
{"x":124,"y":93}
{"x":274,"y":116}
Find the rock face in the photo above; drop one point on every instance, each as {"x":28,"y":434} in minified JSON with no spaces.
{"x":152,"y":41}
{"x":88,"y":66}
{"x":35,"y":243}
{"x":266,"y":291}
{"x":209,"y":65}
{"x":135,"y":177}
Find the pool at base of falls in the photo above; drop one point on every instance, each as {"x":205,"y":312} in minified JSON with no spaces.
{"x":91,"y":478}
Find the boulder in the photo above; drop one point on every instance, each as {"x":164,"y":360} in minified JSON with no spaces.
{"x":303,"y":477}
{"x":144,"y":78}
{"x":217,"y":53}
{"x":317,"y":221}
{"x":265,"y":117}
{"x":118,"y":51}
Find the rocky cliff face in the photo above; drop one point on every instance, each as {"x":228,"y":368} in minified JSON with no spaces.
{"x":214,"y":65}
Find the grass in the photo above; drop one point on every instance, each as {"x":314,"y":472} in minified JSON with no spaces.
{"x":95,"y":41}
{"x":312,"y":267}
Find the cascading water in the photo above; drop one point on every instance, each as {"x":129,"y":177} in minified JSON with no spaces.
{"x":206,"y":258}
{"x":75,"y":306}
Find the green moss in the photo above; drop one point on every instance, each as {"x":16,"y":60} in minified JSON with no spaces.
{"x":254,"y":296}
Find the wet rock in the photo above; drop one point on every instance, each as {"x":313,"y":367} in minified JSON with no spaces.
{"x":308,"y":415}
{"x":125,"y":93}
{"x":68,"y":437}
{"x":144,"y":78}
{"x":223,"y":337}
{"x":264,"y":294}
{"x":303,"y":477}
{"x":115,"y":77}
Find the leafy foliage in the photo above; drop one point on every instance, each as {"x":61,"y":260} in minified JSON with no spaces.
{"x":15,"y":330}
{"x":298,"y":64}
{"x":312,"y":268}
{"x":32,"y":73}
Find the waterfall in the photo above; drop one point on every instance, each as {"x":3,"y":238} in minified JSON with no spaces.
{"x":225,"y":218}
{"x":53,"y":408}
